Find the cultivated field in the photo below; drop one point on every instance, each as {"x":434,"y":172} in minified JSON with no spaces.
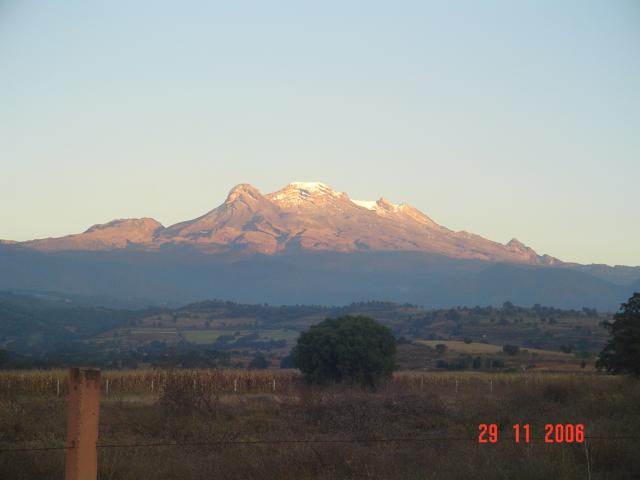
{"x":484,"y":348}
{"x":232,"y":424}
{"x":480,"y":356}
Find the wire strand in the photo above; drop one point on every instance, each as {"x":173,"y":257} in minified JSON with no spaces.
{"x":309,"y":441}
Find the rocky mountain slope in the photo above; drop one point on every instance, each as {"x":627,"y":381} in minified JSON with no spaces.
{"x":302,"y":216}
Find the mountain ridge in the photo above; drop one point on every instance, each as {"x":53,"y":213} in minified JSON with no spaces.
{"x":302,"y":216}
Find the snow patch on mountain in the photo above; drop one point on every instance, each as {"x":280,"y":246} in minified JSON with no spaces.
{"x":297,"y":192}
{"x":368,"y":204}
{"x":310,"y":186}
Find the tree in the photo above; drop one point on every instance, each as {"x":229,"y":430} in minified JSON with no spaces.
{"x":287,"y":362}
{"x":508,"y":306}
{"x":258,"y":362}
{"x":511,"y":349}
{"x":477,"y":363}
{"x":4,"y":357}
{"x":350,"y":349}
{"x":622,"y":353}
{"x":568,"y":348}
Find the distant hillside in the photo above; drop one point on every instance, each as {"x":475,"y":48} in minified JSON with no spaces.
{"x":56,"y":332}
{"x":182,"y":275}
{"x":32,"y":323}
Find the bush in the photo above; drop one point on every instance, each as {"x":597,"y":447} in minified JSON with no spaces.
{"x":4,"y":357}
{"x":350,"y":349}
{"x":493,"y":363}
{"x":258,"y":362}
{"x":477,"y":363}
{"x":511,"y":349}
{"x":568,"y":348}
{"x":463,"y":362}
{"x":287,"y":362}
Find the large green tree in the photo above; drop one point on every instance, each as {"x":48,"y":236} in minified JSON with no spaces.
{"x":349,"y":349}
{"x":622,"y":353}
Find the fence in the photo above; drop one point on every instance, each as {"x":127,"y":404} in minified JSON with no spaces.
{"x":85,"y":387}
{"x":229,"y":381}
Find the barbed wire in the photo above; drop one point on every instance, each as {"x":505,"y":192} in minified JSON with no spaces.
{"x":225,"y":443}
{"x":31,"y":449}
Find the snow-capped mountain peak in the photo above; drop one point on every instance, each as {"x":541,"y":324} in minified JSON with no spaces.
{"x":302,"y":216}
{"x":298,"y":193}
{"x":312,"y":187}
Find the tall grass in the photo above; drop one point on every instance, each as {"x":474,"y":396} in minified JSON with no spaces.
{"x":445,"y":408}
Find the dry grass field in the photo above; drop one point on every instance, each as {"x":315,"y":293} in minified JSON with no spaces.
{"x":417,"y":426}
{"x":475,"y":348}
{"x":433,"y":355}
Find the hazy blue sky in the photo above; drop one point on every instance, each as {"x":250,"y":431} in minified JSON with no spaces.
{"x":507,"y":119}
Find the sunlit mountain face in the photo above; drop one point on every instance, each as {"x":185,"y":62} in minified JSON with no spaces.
{"x":302,"y":216}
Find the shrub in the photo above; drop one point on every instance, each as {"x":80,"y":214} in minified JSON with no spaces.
{"x":258,"y":362}
{"x":287,"y":362}
{"x":477,"y":363}
{"x":511,"y":349}
{"x":566,"y":348}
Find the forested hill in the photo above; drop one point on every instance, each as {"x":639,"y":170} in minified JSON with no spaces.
{"x":29,"y":322}
{"x":52,"y":327}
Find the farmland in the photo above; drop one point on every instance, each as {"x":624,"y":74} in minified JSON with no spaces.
{"x":40,"y":331}
{"x":229,"y":424}
{"x":482,"y":348}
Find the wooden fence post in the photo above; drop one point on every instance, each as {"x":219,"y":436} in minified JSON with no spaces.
{"x":81,"y":461}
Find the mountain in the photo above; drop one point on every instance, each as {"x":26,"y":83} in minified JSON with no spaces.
{"x":306,"y":243}
{"x":113,"y":235}
{"x":302,"y":216}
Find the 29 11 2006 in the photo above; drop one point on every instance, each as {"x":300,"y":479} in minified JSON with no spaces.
{"x":522,"y":433}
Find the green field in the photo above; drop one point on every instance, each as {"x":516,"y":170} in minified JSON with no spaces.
{"x":211,"y":336}
{"x":205,"y":336}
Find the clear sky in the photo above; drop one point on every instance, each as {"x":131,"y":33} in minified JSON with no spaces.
{"x":503,"y":118}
